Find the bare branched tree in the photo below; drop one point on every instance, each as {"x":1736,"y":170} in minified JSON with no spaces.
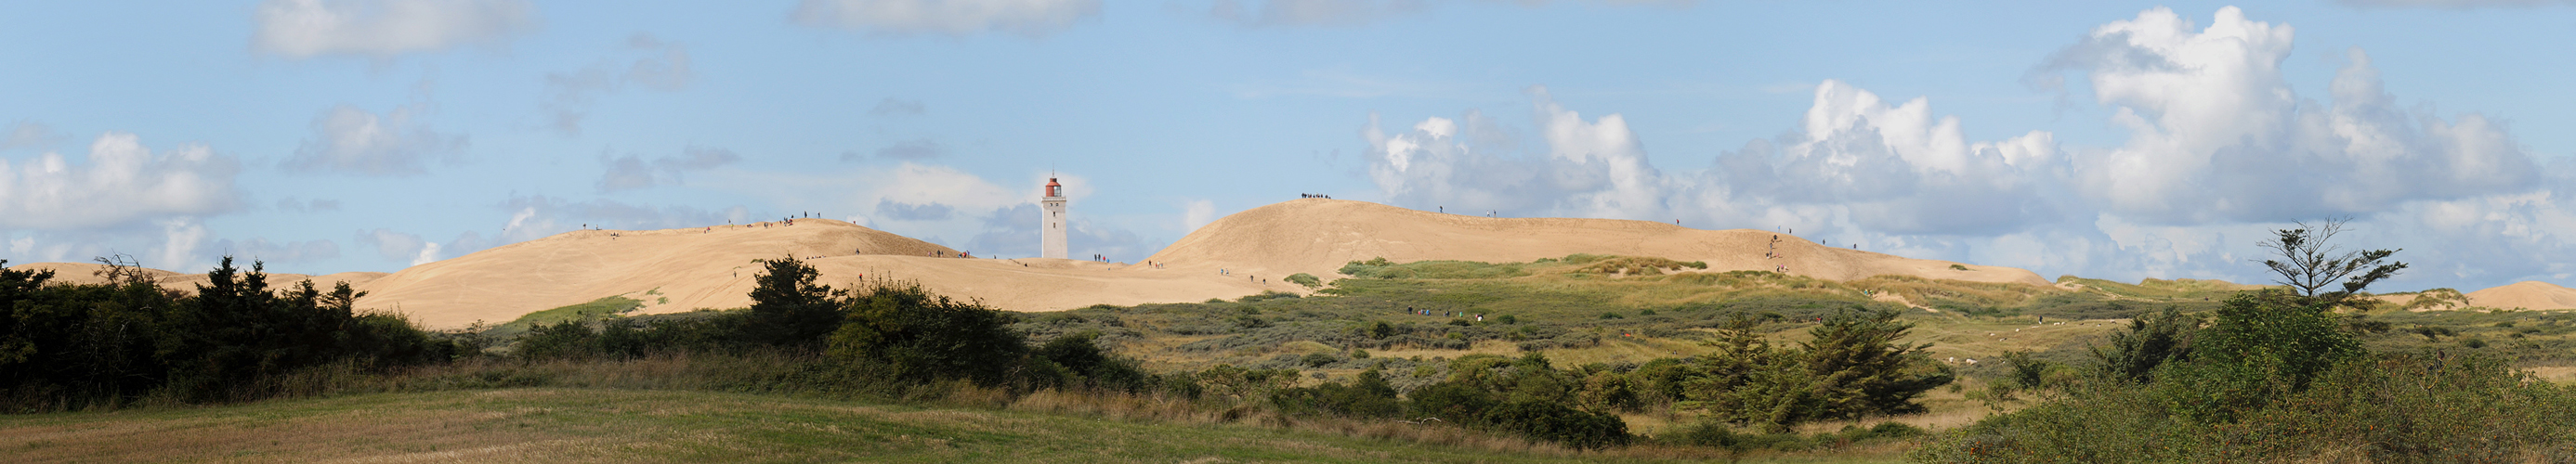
{"x":2308,"y":263}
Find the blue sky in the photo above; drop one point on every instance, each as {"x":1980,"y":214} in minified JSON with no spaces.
{"x":2092,"y":138}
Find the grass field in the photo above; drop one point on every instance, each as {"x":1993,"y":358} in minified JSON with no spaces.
{"x":612,"y":425}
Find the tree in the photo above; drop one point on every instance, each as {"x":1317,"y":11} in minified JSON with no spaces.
{"x":2308,"y":263}
{"x":1860,"y":369}
{"x":788,"y":308}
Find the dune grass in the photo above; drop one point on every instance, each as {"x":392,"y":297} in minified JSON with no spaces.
{"x":605,"y":307}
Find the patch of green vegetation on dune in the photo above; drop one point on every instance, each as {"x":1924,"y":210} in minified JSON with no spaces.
{"x":2160,"y":289}
{"x":603,"y":308}
{"x":1380,"y":268}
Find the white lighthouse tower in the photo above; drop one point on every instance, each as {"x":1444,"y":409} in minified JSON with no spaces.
{"x":1051,"y":243}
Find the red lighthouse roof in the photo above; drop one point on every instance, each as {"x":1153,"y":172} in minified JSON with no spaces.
{"x":1054,"y":189}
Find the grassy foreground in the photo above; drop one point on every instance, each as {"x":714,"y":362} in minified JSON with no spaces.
{"x":613,"y":425}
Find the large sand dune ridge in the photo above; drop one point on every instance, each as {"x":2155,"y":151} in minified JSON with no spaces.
{"x":1244,"y":253}
{"x":708,"y":267}
{"x":1317,"y":236}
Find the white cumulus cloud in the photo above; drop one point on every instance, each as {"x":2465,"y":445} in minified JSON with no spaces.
{"x":1196,"y":214}
{"x":261,"y":249}
{"x":2217,"y":135}
{"x":634,"y":172}
{"x":347,"y":139}
{"x":123,"y":183}
{"x":658,"y":65}
{"x":384,"y":28}
{"x":1312,"y":12}
{"x":2220,"y":149}
{"x":1030,"y":18}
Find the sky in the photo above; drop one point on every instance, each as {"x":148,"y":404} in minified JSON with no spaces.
{"x":2101,"y":139}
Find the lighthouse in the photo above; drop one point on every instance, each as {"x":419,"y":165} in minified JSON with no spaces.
{"x":1051,"y":237}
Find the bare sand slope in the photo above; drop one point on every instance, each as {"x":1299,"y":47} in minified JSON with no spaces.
{"x":694,"y":268}
{"x":87,"y":273}
{"x":2526,"y":295}
{"x":1317,"y":236}
{"x":1038,"y":284}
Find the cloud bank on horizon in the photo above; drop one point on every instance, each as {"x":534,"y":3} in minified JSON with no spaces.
{"x":2175,"y":144}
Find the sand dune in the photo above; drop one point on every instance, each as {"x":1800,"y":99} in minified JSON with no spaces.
{"x":1245,"y":253}
{"x":1317,"y":236}
{"x":2525,"y":295}
{"x":697,"y":267}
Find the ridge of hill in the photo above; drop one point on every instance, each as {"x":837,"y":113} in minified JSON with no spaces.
{"x":2529,"y":294}
{"x":670,"y":269}
{"x":1317,"y":236}
{"x":1249,"y":252}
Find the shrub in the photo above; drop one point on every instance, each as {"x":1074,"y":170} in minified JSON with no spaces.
{"x":2133,"y":355}
{"x":1551,"y":421}
{"x":916,"y":336}
{"x":1369,"y":396}
{"x":1091,"y":366}
{"x":1318,"y":359}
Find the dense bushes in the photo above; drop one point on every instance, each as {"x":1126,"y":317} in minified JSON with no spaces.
{"x":2275,"y":377}
{"x":75,"y":345}
{"x":1527,"y":397}
{"x":2388,"y":409}
{"x":917,"y":336}
{"x":884,"y":336}
{"x":1368,"y":396}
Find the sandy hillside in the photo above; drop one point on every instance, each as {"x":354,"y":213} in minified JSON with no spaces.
{"x":696,"y":267}
{"x":87,"y":273}
{"x":2525,"y":295}
{"x":684,"y":269}
{"x":1317,"y":236}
